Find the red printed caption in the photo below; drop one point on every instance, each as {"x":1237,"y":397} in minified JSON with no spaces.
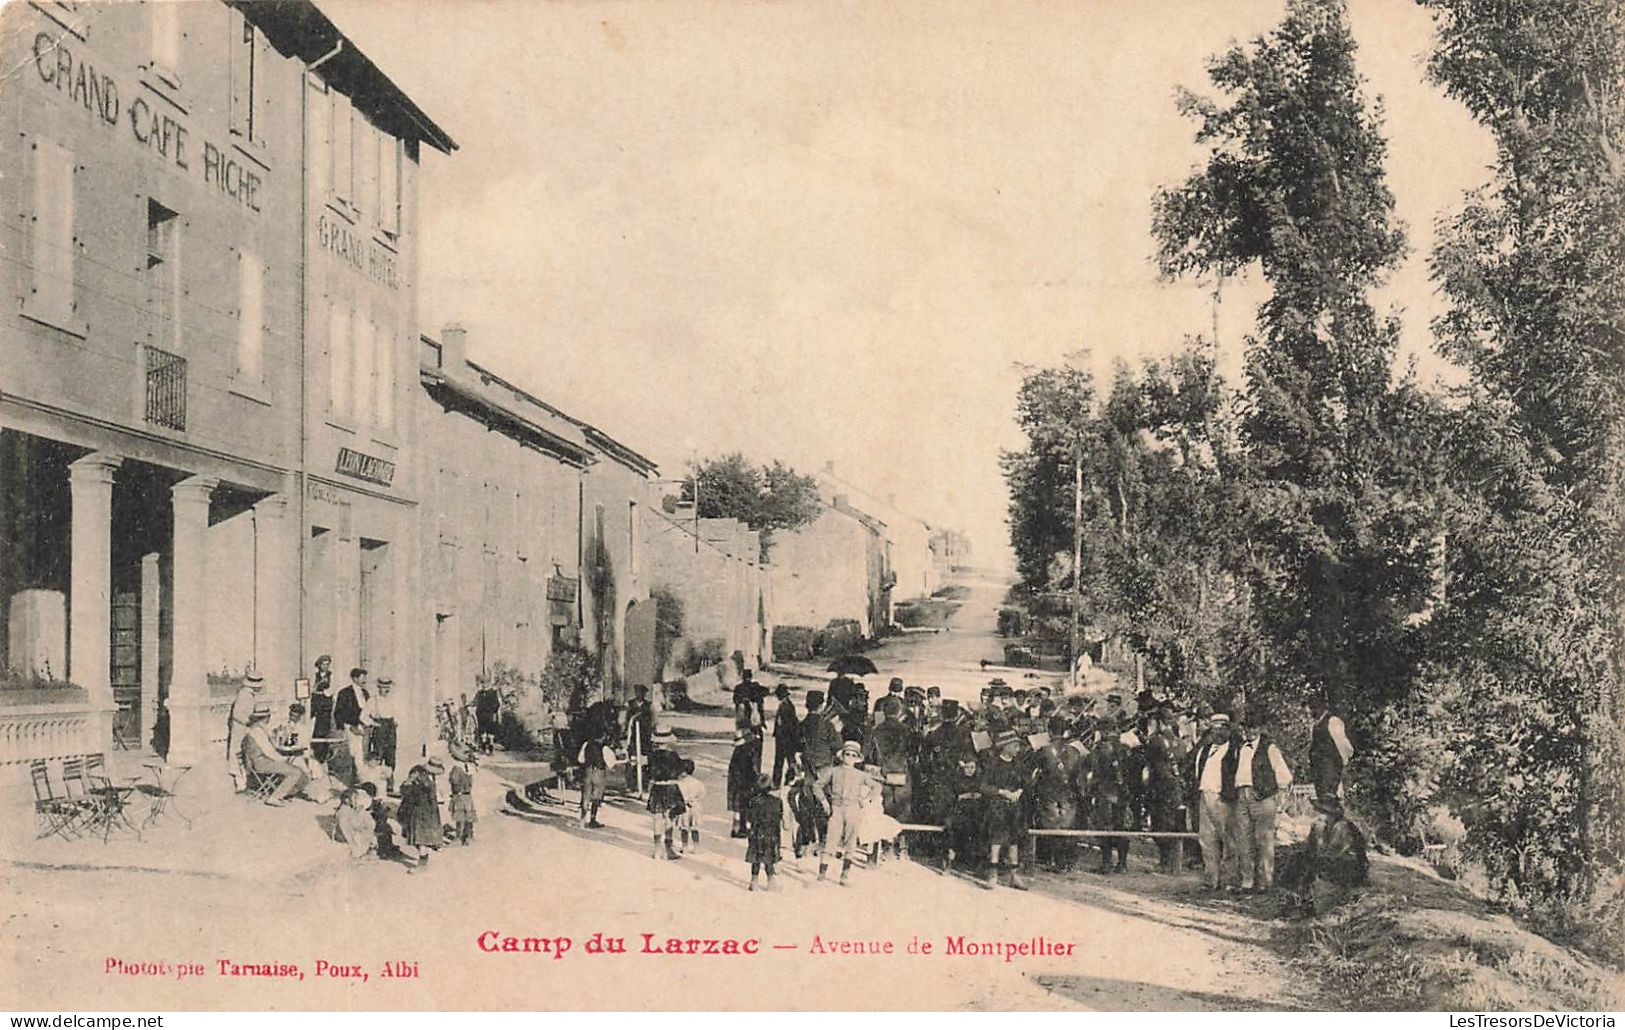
{"x":321,"y":969}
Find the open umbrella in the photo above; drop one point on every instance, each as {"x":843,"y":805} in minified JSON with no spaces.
{"x":853,"y":665}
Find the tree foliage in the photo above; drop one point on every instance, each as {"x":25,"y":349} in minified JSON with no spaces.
{"x":1447,"y":567}
{"x":766,"y":498}
{"x":1528,"y":641}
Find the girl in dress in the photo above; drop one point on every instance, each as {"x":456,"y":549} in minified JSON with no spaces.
{"x":688,"y":824}
{"x":419,"y":811}
{"x":461,"y":779}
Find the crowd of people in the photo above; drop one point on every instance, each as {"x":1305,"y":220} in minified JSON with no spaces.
{"x":1029,"y":759}
{"x":343,"y":744}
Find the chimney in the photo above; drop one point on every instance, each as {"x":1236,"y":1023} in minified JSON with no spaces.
{"x":829,"y":466}
{"x":841,"y":504}
{"x":454,"y":349}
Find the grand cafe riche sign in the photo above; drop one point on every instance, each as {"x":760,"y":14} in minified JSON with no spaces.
{"x":152,"y":127}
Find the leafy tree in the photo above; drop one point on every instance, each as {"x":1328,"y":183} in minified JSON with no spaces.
{"x":1528,"y":638}
{"x":766,"y":498}
{"x":1340,"y":517}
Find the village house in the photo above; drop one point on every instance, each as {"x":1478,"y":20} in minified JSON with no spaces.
{"x":832,"y":570}
{"x":500,"y":524}
{"x":208,"y":225}
{"x":715,"y":589}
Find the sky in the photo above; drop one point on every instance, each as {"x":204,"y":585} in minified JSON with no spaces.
{"x":835,"y":231}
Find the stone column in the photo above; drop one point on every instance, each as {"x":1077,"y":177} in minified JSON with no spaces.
{"x":151,"y":648}
{"x":276,"y":596}
{"x":90,"y":480}
{"x":190,"y":731}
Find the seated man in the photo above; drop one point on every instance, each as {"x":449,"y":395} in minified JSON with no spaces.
{"x":260,"y":756}
{"x":292,"y":740}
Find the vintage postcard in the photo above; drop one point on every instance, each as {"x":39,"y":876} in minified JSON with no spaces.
{"x":818,"y":506}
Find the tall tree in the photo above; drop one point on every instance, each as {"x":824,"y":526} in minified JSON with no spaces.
{"x":1341,"y":515}
{"x":1529,"y":637}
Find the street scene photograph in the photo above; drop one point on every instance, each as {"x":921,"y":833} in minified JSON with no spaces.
{"x":812,"y":506}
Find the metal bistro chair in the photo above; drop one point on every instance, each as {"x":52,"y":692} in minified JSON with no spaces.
{"x":110,"y":800}
{"x":55,"y":813}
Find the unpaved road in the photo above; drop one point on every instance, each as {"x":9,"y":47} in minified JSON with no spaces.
{"x":1135,"y":942}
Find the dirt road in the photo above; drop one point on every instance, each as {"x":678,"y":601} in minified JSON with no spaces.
{"x":336,"y":929}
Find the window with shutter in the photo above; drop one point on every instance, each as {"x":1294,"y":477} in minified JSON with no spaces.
{"x":343,"y":148}
{"x":386,"y":375}
{"x":364,"y":386}
{"x":52,"y":247}
{"x":338,"y":360}
{"x":250,"y":318}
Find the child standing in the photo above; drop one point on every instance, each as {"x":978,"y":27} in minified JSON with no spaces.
{"x":693,"y":791}
{"x":419,"y":812}
{"x":766,"y":811}
{"x":461,"y":780}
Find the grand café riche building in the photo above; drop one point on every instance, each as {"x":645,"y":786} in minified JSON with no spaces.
{"x":208,"y":233}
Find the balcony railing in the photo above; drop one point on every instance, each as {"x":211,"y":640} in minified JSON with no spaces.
{"x":166,"y":389}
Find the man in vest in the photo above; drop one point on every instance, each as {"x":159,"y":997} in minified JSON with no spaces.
{"x":1213,"y":813}
{"x":1252,"y":774}
{"x":1329,"y":750}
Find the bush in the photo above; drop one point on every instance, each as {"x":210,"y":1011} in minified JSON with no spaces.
{"x":703,"y":655}
{"x":793,"y":643}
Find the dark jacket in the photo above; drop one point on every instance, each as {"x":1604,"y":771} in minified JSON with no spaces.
{"x":742,"y":769}
{"x":347,"y":707}
{"x":1264,"y":785}
{"x":787,"y":727}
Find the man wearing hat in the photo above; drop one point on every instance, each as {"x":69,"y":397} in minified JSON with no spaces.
{"x":1057,"y":788}
{"x":842,"y":789}
{"x":260,"y":754}
{"x":1003,"y":786}
{"x":892,"y":749}
{"x":820,"y":732}
{"x":1253,"y":773}
{"x":242,"y":707}
{"x":1213,"y":813}
{"x":1329,"y":749}
{"x":321,"y":708}
{"x":1162,"y":785}
{"x":348,"y":707}
{"x":892,"y":702}
{"x":381,"y":712}
{"x":786,"y":735}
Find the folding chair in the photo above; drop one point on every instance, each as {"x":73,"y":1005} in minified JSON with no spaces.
{"x":55,"y":813}
{"x":261,"y":785}
{"x":115,"y":796}
{"x":103,"y":802}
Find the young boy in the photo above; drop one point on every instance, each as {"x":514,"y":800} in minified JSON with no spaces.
{"x":766,"y":814}
{"x":842,"y":790}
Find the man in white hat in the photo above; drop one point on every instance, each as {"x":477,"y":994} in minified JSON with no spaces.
{"x":842,"y":789}
{"x":1213,"y":812}
{"x":242,"y":709}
